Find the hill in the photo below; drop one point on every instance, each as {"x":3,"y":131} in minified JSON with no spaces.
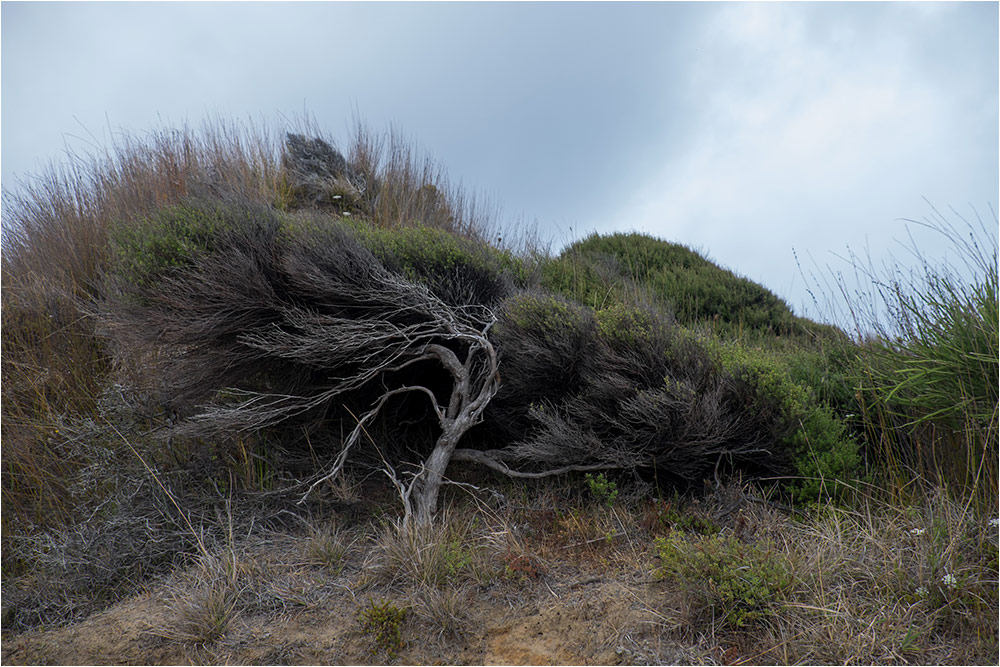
{"x":256,"y":378}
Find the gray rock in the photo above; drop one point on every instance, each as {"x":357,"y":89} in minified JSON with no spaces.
{"x":313,"y":158}
{"x":319,"y":175}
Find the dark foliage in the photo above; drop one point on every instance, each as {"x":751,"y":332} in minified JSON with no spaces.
{"x":544,"y":342}
{"x":300,"y":329}
{"x":627,"y":390}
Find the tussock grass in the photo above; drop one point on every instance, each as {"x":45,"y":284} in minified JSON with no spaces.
{"x":925,"y":364}
{"x":445,"y":553}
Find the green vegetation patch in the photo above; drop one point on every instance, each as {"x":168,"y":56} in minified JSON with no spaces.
{"x":625,"y":325}
{"x":601,"y":270}
{"x":548,"y":316}
{"x":823,"y":451}
{"x":145,"y":250}
{"x":739,"y":583}
{"x":383,"y":622}
{"x":456,"y":268}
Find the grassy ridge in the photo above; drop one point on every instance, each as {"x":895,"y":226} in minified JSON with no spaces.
{"x":599,"y":269}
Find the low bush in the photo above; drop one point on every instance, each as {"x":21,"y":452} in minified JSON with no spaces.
{"x":724,"y":579}
{"x":628,"y":390}
{"x":383,"y":622}
{"x":823,"y":451}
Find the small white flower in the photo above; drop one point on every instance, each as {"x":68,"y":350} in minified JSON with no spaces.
{"x":949,"y":580}
{"x":921,"y":592}
{"x":917,"y":531}
{"x":995,"y":522}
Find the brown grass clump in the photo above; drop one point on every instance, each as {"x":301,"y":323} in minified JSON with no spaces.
{"x":446,"y":553}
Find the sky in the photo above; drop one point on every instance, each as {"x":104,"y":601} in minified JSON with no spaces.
{"x":772,"y":137}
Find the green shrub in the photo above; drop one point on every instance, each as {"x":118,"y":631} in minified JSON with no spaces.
{"x":738,"y":583}
{"x":601,"y":488}
{"x":460,"y":270}
{"x":383,"y":621}
{"x":548,"y":316}
{"x":171,"y":238}
{"x":826,"y":372}
{"x":624,"y":325}
{"x":824,"y":454}
{"x":595,"y":282}
{"x":602,"y":270}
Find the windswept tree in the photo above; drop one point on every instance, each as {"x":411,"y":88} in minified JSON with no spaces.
{"x":252,"y":320}
{"x":256,"y":322}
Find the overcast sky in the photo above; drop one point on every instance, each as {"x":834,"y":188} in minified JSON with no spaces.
{"x":745,"y":130}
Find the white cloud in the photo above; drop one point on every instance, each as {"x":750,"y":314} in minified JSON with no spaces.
{"x":813,"y":132}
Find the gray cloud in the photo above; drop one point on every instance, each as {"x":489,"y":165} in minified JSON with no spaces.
{"x":744,"y":129}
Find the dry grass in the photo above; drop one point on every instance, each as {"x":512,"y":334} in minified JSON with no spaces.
{"x":873,"y":584}
{"x":55,"y":248}
{"x":446,"y":553}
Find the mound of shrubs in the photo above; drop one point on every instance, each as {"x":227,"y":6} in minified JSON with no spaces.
{"x":623,"y":387}
{"x":599,"y":270}
{"x":601,"y":365}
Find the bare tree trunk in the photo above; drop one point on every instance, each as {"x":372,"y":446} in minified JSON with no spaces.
{"x":432,"y":477}
{"x":475,"y":383}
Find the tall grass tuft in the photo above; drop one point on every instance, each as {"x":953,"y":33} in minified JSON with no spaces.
{"x":55,"y":250}
{"x":926,"y":369}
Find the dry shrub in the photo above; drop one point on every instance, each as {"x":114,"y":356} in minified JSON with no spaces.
{"x":627,"y":389}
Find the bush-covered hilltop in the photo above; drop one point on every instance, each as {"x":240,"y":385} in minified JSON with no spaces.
{"x":296,"y":324}
{"x":230,"y":332}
